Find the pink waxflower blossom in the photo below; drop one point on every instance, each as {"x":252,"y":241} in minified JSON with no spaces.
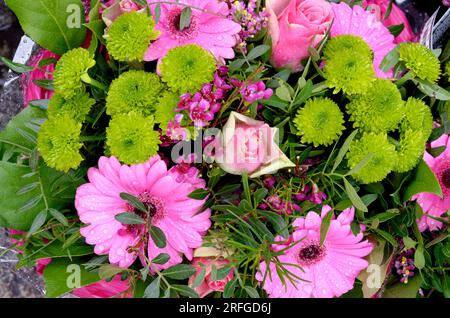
{"x":431,"y":203}
{"x":396,"y":17}
{"x":31,"y":91}
{"x":294,"y":26}
{"x":356,"y":21}
{"x":116,"y":288}
{"x":327,"y":270}
{"x":162,"y":192}
{"x":255,"y":92}
{"x":209,"y":27}
{"x":208,"y":285}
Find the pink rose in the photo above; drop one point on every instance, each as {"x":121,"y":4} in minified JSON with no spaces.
{"x":294,"y":25}
{"x":115,"y":8}
{"x":208,"y":285}
{"x":249,"y":146}
{"x":397,"y":16}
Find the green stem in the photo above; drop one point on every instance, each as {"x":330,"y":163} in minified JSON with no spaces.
{"x":88,"y":80}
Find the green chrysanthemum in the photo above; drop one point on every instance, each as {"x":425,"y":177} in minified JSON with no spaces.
{"x":59,"y":142}
{"x":134,"y":91}
{"x":418,"y":117}
{"x":409,"y":150}
{"x":319,"y":122}
{"x":347,"y":42}
{"x":349,"y":71}
{"x":382,"y":160}
{"x":69,"y":70}
{"x":187,"y":68}
{"x":77,"y":107}
{"x":420,"y":61}
{"x":165,"y":109}
{"x":379,"y":109}
{"x":129,"y":36}
{"x":131,"y":138}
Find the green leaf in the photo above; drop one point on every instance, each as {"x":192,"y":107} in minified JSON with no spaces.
{"x":97,"y":27}
{"x":40,"y":103}
{"x":354,"y":197}
{"x":198,"y":194}
{"x":199,"y":278}
{"x":153,"y":290}
{"x":16,"y":67}
{"x":325,"y":226}
{"x":401,"y":290}
{"x":59,"y":216}
{"x":44,"y":83}
{"x":129,"y":218}
{"x":185,"y":291}
{"x":55,"y":188}
{"x":158,"y":236}
{"x":283,"y":93}
{"x":49,"y":22}
{"x":396,"y":29}
{"x":161,"y":258}
{"x":133,"y":201}
{"x":344,"y":150}
{"x":61,"y":276}
{"x":179,"y":272}
{"x":258,"y":51}
{"x":387,"y":236}
{"x":228,"y":291}
{"x":185,"y":18}
{"x":390,"y":60}
{"x":419,"y":258}
{"x":251,"y":292}
{"x":304,"y":94}
{"x":424,"y":181}
{"x":157,"y":12}
{"x":108,"y":271}
{"x":55,"y":250}
{"x":433,"y":90}
{"x":38,"y":221}
{"x":361,"y":164}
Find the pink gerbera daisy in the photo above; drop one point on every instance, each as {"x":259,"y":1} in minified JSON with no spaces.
{"x":318,"y":271}
{"x":209,"y":27}
{"x":356,"y":21}
{"x":164,"y":194}
{"x":431,"y":203}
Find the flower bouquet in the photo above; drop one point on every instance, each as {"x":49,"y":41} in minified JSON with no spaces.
{"x":216,"y":148}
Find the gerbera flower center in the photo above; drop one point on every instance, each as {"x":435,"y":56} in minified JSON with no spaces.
{"x":310,"y":253}
{"x":154,"y":205}
{"x":173,"y":26}
{"x":445,"y":178}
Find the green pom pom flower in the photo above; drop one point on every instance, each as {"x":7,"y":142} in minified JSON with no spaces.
{"x":67,"y":78}
{"x":59,"y":142}
{"x":420,"y":61}
{"x":382,"y":160}
{"x":77,"y":107}
{"x":319,"y":122}
{"x":379,"y":109}
{"x":447,"y":70}
{"x":349,"y":71}
{"x":134,"y":91}
{"x":165,"y":109}
{"x":409,"y":150}
{"x":131,"y":138}
{"x":418,"y":117}
{"x":347,"y":42}
{"x":187,"y":68}
{"x":129,"y":36}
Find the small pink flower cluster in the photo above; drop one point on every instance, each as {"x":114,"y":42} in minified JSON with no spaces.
{"x":311,"y":194}
{"x":207,"y":101}
{"x":252,"y":21}
{"x":255,"y":91}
